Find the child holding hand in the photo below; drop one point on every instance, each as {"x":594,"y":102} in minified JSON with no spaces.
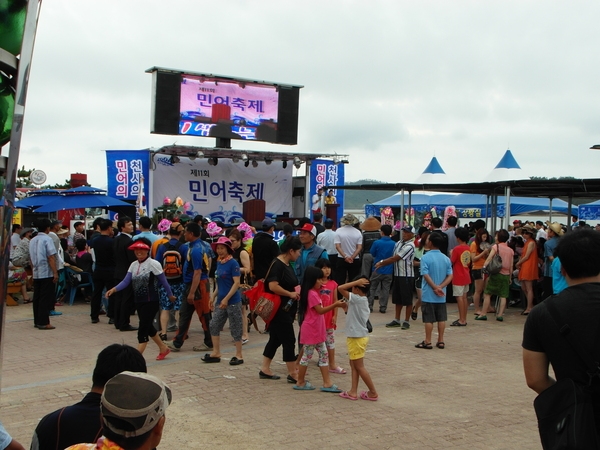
{"x":312,"y":329}
{"x":357,"y":336}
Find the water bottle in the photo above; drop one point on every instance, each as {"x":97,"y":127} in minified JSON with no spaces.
{"x":288,"y":305}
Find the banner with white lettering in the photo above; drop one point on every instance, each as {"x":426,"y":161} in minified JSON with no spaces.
{"x":219,"y":191}
{"x":324,"y":172}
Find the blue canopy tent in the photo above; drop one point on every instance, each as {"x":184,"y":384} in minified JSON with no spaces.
{"x":74,"y":201}
{"x":470,"y":205}
{"x":37,"y":198}
{"x":589,"y":211}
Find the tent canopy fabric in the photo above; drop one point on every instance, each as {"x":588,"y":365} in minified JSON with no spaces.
{"x":589,"y":211}
{"x":37,"y":198}
{"x":62,"y":202}
{"x":423,"y":202}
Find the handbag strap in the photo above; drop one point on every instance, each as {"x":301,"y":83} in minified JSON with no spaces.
{"x":570,"y":335}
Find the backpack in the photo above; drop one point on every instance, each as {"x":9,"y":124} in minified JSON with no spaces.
{"x":172,"y":265}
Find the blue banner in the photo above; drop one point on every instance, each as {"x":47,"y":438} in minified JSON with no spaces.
{"x":324,"y":172}
{"x":126,"y":169}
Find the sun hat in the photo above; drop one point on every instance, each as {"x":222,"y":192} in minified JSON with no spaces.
{"x":370,"y":224}
{"x":136,"y":398}
{"x":309,"y":228}
{"x":138,"y":245}
{"x":164,"y":225}
{"x":62,"y":231}
{"x":348,"y":219}
{"x":223,"y":241}
{"x":24,"y":231}
{"x":213,"y":229}
{"x":556,"y":228}
{"x":529,"y":229}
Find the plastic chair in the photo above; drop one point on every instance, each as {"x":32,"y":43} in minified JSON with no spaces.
{"x":85,"y":280}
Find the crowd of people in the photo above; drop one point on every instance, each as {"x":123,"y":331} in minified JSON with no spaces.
{"x":205,"y":267}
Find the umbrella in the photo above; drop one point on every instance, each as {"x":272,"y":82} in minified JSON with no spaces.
{"x":76,"y":201}
{"x":84,"y":190}
{"x":37,"y":198}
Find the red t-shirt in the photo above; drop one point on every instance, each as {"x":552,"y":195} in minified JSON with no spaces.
{"x":461,"y":258}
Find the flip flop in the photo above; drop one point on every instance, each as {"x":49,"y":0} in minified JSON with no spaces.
{"x":210,"y":359}
{"x":365,"y":396}
{"x":456,"y":323}
{"x":333,"y":388}
{"x":525,"y":313}
{"x":338,"y":370}
{"x":307,"y":387}
{"x":162,"y":356}
{"x":27,"y":300}
{"x":347,"y":396}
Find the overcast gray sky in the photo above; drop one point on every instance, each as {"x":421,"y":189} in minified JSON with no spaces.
{"x":391,"y":83}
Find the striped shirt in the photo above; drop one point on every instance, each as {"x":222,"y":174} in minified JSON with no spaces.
{"x":406,"y":251}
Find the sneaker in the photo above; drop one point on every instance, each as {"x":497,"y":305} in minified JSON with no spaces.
{"x":172,"y":347}
{"x":393,"y":324}
{"x":202,"y":347}
{"x":405,"y":326}
{"x":55,"y":313}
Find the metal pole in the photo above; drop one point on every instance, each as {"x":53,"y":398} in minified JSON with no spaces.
{"x":507,"y":207}
{"x":401,"y":209}
{"x":10,"y":165}
{"x":550,"y":209}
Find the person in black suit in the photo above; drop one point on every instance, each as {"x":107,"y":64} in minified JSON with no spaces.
{"x":123,"y":300}
{"x":103,"y":276}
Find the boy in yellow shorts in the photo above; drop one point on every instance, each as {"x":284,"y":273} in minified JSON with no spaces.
{"x":357,"y":336}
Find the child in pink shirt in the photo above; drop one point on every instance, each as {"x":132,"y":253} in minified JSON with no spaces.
{"x":312,"y":330}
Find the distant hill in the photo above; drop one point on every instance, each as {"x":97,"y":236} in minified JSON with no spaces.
{"x":357,"y":199}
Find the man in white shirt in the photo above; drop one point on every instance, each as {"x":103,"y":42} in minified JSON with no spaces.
{"x":16,"y":236}
{"x":45,"y":275}
{"x":326,"y":240}
{"x":316,"y":201}
{"x":348,"y":244}
{"x":541,"y":232}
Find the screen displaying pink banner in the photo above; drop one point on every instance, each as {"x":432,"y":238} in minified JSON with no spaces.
{"x":230,"y":109}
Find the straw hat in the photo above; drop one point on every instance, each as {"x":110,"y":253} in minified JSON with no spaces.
{"x":370,"y":224}
{"x":349,"y":219}
{"x":555,"y":227}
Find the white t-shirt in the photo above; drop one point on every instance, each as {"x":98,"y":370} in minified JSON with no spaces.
{"x":14,"y":240}
{"x":316,"y":202}
{"x":349,"y":238}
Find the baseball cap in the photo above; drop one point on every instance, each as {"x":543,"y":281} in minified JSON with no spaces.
{"x":310,"y":228}
{"x":408,"y":229}
{"x":136,"y":398}
{"x":55,"y":222}
{"x":268,"y":223}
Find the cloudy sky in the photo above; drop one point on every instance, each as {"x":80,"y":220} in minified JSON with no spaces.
{"x":391,"y":83}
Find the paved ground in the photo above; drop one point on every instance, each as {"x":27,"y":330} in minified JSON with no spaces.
{"x":470,"y":395}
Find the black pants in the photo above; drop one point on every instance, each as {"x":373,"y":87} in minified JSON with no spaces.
{"x":146,"y":312}
{"x":346,"y":271}
{"x":102,"y":279}
{"x":281,"y":334}
{"x":122,"y":303}
{"x":43,"y":300}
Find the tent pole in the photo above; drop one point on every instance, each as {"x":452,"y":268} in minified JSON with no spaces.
{"x":402,"y":209}
{"x":550,"y":209}
{"x":409,"y":205}
{"x":507,"y":207}
{"x":569,"y":214}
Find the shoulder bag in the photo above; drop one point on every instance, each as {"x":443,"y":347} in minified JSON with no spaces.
{"x":262,"y":303}
{"x":495,"y":265}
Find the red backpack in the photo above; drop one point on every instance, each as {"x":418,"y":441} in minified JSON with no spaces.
{"x":172,"y":264}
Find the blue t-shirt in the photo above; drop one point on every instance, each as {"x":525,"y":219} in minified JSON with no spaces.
{"x":197,"y":256}
{"x":559,"y":283}
{"x":438,"y":266}
{"x":148,"y":235}
{"x":549,"y":247}
{"x":224,"y":277}
{"x":381,"y":249}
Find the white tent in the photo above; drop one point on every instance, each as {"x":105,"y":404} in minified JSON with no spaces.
{"x":507,"y":169}
{"x":433,"y":173}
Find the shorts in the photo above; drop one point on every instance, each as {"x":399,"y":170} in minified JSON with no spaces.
{"x":402,"y":291}
{"x":434,"y":312}
{"x":476,"y":274}
{"x":419,"y":282}
{"x":357,"y":347}
{"x":459,"y":291}
{"x":178,"y":290}
{"x":499,"y":285}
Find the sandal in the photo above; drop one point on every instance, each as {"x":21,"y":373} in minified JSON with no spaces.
{"x":481,"y":318}
{"x":338,"y":370}
{"x":424,"y":344}
{"x":440,"y":345}
{"x":347,"y":396}
{"x":456,"y":323}
{"x":27,"y":300}
{"x":365,"y":396}
{"x":306,"y":387}
{"x":413,"y":314}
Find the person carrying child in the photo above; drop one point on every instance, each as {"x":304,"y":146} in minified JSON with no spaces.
{"x":328,"y":294}
{"x":312,"y":329}
{"x":436,"y":270}
{"x":357,"y":337}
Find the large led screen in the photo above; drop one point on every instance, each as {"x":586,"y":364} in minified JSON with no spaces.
{"x":194,"y":104}
{"x":228,"y":109}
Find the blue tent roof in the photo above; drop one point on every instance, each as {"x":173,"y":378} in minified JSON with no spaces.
{"x":518,"y":205}
{"x":434,"y":167}
{"x":508,"y":161}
